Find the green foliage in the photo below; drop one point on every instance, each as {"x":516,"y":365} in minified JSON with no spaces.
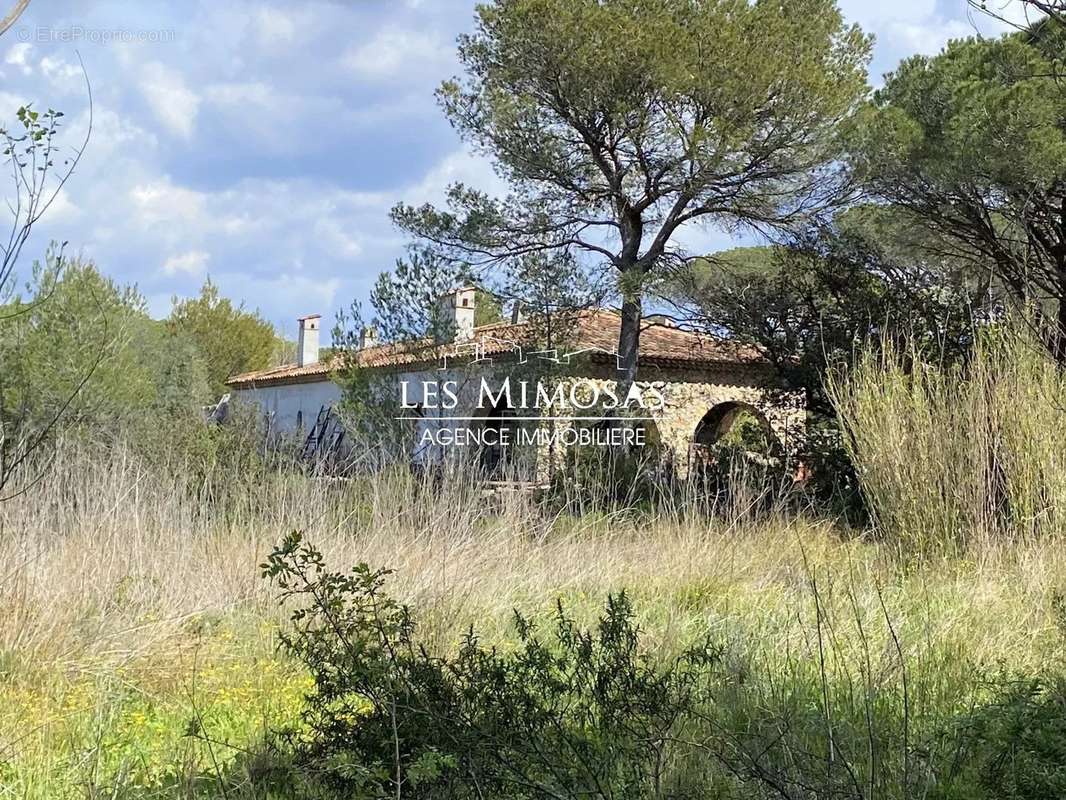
{"x":80,"y":357}
{"x":80,"y":343}
{"x":549,"y":290}
{"x":177,"y":365}
{"x":367,"y":410}
{"x":747,"y":433}
{"x":972,"y":143}
{"x":231,"y":339}
{"x":831,"y":483}
{"x":30,"y":151}
{"x":1014,"y":748}
{"x":818,"y":302}
{"x":70,"y":338}
{"x":596,"y":479}
{"x":561,"y":711}
{"x":220,"y":463}
{"x":617,"y":123}
{"x":811,"y":304}
{"x":406,"y":300}
{"x":409,"y":311}
{"x":487,"y":308}
{"x":566,"y":713}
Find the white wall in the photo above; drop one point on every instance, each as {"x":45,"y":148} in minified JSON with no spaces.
{"x":291,"y":402}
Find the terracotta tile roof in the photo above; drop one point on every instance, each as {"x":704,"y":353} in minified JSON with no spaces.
{"x":595,"y":336}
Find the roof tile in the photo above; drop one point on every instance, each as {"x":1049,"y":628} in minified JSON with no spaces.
{"x":595,"y":331}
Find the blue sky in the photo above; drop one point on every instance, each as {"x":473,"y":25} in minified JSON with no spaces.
{"x":263,"y":143}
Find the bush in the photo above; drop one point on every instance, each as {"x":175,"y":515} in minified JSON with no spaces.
{"x":1015,"y":747}
{"x":831,"y":484}
{"x":596,"y":478}
{"x":568,"y":713}
{"x":564,"y":712}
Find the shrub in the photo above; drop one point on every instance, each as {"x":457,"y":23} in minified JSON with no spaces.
{"x":1015,"y":747}
{"x":562,"y":712}
{"x":831,"y":484}
{"x":610,"y":478}
{"x":566,"y":713}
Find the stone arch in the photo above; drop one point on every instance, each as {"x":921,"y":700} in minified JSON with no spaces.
{"x":719,"y":420}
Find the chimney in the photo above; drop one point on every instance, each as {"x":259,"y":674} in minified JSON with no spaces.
{"x":517,"y":317}
{"x":457,"y":309}
{"x":307,"y":346}
{"x":368,"y":337}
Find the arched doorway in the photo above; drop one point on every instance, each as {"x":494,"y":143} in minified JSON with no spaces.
{"x":737,"y":427}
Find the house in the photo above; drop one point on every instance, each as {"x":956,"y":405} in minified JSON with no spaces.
{"x":489,"y":380}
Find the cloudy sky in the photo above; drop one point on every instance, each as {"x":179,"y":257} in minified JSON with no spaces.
{"x":263,"y":143}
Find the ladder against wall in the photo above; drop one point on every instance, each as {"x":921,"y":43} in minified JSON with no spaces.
{"x":325,"y":437}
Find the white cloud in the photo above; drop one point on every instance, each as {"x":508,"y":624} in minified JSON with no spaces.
{"x":256,"y":93}
{"x":18,"y":56}
{"x":460,"y":166}
{"x":393,"y":52}
{"x":239,"y":225}
{"x":268,"y":95}
{"x":928,"y":39}
{"x":9,"y":103}
{"x":172,"y":102}
{"x":299,"y":294}
{"x":162,"y":202}
{"x":112,"y":133}
{"x":335,"y":236}
{"x":60,"y":72}
{"x":190,"y":263}
{"x":63,"y":208}
{"x":872,"y":15}
{"x":274,"y":27}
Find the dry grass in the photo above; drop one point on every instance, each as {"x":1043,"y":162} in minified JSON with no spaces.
{"x":961,"y":458}
{"x":129,"y":603}
{"x":108,"y":564}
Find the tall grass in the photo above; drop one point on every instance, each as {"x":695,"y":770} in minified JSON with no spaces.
{"x":112,"y":557}
{"x":952,"y":458}
{"x":131,"y":602}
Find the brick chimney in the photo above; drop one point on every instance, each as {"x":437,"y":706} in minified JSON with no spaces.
{"x":457,"y":308}
{"x":307,"y":346}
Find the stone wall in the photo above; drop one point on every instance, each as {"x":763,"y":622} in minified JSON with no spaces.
{"x":691,"y":394}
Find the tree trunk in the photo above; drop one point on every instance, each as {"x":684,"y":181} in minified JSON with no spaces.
{"x":629,"y":343}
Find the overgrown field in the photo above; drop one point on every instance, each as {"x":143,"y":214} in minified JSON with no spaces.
{"x":133,"y":613}
{"x":139,"y":640}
